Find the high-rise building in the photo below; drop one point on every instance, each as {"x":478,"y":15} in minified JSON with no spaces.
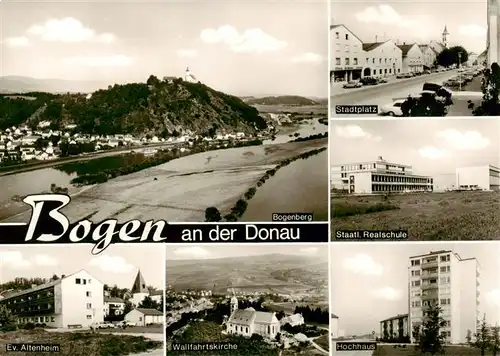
{"x":445,"y":279}
{"x":493,"y":47}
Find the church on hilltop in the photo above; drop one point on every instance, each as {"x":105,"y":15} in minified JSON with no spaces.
{"x":140,"y":291}
{"x":246,"y":322}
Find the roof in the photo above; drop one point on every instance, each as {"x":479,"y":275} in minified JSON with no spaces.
{"x":264,"y":317}
{"x":294,"y":318}
{"x":371,"y":46}
{"x":334,"y":316}
{"x":156,"y":292}
{"x":240,"y":316}
{"x":113,"y":300}
{"x":399,"y":316}
{"x":405,"y":48}
{"x":139,"y":285}
{"x":147,"y":311}
{"x":344,"y":26}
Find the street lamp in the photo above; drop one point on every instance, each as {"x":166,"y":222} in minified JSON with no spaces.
{"x":459,"y":72}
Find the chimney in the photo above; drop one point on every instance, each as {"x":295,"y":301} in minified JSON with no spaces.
{"x":62,"y":276}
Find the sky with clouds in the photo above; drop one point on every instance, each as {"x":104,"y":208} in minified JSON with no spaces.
{"x":416,"y":21}
{"x":431,"y":146}
{"x":217,"y":251}
{"x":238,"y":47}
{"x":118,"y":264}
{"x":369,"y":282}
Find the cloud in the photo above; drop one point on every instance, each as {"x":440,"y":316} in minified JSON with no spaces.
{"x":17,"y":41}
{"x":112,"y":264}
{"x":188,"y":53}
{"x":384,"y":14}
{"x":13,"y":259}
{"x":472,"y":30}
{"x":463,"y":141}
{"x":68,"y":29}
{"x":308,"y":57}
{"x":44,"y":260}
{"x":100,"y":61}
{"x":362,"y":264}
{"x":192,"y":252}
{"x":252,"y":40}
{"x":388,"y":293}
{"x":432,"y":152}
{"x":309,"y":250}
{"x":354,"y":131}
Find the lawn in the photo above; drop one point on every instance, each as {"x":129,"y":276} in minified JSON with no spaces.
{"x":323,"y":342}
{"x":386,"y":350}
{"x":81,"y":344}
{"x":426,"y":216}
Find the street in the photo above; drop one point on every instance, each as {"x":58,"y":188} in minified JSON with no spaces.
{"x":383,"y":94}
{"x":352,"y":353}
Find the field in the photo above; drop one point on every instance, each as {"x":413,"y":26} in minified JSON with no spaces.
{"x":387,"y":350}
{"x":287,"y":274}
{"x":431,"y":216}
{"x":182,"y":189}
{"x":289,"y":308}
{"x":80,"y":344}
{"x":317,"y":109}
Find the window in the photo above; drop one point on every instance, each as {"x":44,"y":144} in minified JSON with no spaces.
{"x":445,"y":301}
{"x":90,"y":280}
{"x":346,"y":48}
{"x":52,"y":319}
{"x":416,"y":304}
{"x":444,"y":269}
{"x":88,"y":294}
{"x":355,"y":61}
{"x":337,"y":61}
{"x":347,"y":36}
{"x":36,"y":319}
{"x":89,"y":317}
{"x":47,"y":319}
{"x":347,"y":62}
{"x":89,"y":305}
{"x":78,"y":281}
{"x":415,"y":273}
{"x":444,"y":280}
{"x":140,"y":319}
{"x":445,"y":258}
{"x":337,"y":35}
{"x":415,"y":283}
{"x":337,"y":47}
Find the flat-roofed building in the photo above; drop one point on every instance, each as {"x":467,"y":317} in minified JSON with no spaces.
{"x":486,"y":177}
{"x":378,"y":177}
{"x":73,"y":300}
{"x":395,"y":328}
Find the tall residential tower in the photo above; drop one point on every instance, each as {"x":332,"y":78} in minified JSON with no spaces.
{"x":493,"y":47}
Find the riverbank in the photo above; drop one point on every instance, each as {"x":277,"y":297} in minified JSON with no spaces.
{"x":181,"y":189}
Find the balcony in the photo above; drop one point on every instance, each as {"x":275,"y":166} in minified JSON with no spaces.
{"x":430,"y":275}
{"x":430,"y":286}
{"x":430,"y":296}
{"x":429,"y":264}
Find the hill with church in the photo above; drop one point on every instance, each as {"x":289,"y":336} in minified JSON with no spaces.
{"x":159,"y":107}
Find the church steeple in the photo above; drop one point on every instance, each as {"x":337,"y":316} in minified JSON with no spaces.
{"x":234,"y":303}
{"x":139,"y":285}
{"x":444,"y":37}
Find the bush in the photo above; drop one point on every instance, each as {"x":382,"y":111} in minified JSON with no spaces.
{"x":8,"y":327}
{"x":212,"y":214}
{"x":29,"y":326}
{"x":490,"y":105}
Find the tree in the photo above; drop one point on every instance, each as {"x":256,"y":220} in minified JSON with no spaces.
{"x":152,"y":80}
{"x":55,"y":277}
{"x":495,"y":340}
{"x":212,"y":214}
{"x":430,"y":338}
{"x":490,"y":104}
{"x":6,"y":317}
{"x":483,"y":337}
{"x":452,"y":55}
{"x":148,"y":303}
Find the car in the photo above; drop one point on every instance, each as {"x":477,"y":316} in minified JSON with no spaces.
{"x":426,"y":71}
{"x":440,"y":91}
{"x":393,"y":109}
{"x":369,"y":81}
{"x":127,"y":323}
{"x":352,"y":84}
{"x":103,"y":325}
{"x":382,"y":80}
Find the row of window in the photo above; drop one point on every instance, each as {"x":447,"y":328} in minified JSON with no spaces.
{"x":30,"y":297}
{"x":442,"y":280}
{"x":442,"y":258}
{"x":82,"y":281}
{"x":442,"y":269}
{"x":426,"y":303}
{"x":347,"y":61}
{"x":37,"y":320}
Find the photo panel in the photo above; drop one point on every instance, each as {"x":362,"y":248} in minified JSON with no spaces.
{"x":62,"y":299}
{"x":260,"y":300}
{"x":414,"y":58}
{"x":178,"y":111}
{"x":405,"y":299}
{"x":415,"y":179}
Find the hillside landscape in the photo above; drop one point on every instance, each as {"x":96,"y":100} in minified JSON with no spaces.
{"x":267,"y":273}
{"x":286,"y":100}
{"x":161,"y":108}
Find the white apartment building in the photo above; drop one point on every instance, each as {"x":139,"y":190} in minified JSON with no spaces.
{"x":73,"y":300}
{"x":444,"y":278}
{"x":347,"y":54}
{"x":379,"y":176}
{"x":412,"y":58}
{"x":382,"y":59}
{"x":493,"y":43}
{"x":429,"y":56}
{"x":395,"y":328}
{"x":485,"y":177}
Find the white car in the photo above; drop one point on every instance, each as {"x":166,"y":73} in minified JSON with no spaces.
{"x":127,"y":323}
{"x":103,"y":325}
{"x":393,"y":109}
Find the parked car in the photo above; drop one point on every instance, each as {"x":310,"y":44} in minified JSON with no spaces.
{"x":393,"y":109}
{"x":103,"y":325}
{"x":382,"y":80}
{"x":440,"y":91}
{"x":127,"y":323}
{"x":426,"y":71}
{"x":369,"y":81}
{"x":352,"y":84}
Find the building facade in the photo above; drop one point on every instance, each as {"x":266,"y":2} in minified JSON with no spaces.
{"x":346,"y":54}
{"x":412,"y":58}
{"x":113,"y":306}
{"x":378,"y":177}
{"x":444,"y":279}
{"x":73,"y":300}
{"x":382,"y":59}
{"x":395,"y":328}
{"x":144,"y":316}
{"x":493,"y":42}
{"x":437,"y":46}
{"x":429,"y":56}
{"x":485,"y":177}
{"x":334,"y":326}
{"x":246,"y":322}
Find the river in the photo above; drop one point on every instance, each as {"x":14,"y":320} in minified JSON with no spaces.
{"x":288,"y":182}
